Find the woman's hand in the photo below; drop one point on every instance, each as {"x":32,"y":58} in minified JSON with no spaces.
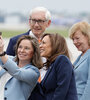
{"x":1,"y":45}
{"x":5,"y":57}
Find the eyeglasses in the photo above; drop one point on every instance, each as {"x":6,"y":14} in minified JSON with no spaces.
{"x":40,"y":22}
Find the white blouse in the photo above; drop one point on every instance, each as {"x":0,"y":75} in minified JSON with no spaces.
{"x":43,"y":72}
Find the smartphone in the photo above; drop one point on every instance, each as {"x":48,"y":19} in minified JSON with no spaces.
{"x":0,"y":33}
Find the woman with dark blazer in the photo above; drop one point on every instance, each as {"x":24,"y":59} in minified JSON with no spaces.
{"x":58,"y":82}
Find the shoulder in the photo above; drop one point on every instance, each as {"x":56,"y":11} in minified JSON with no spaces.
{"x":32,"y":72}
{"x":62,"y":58}
{"x":88,"y":52}
{"x":63,"y":61}
{"x":85,"y":59}
{"x":88,"y":56}
{"x":34,"y":68}
{"x":63,"y":66}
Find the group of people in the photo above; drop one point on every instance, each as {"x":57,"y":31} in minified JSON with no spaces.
{"x":30,"y":52}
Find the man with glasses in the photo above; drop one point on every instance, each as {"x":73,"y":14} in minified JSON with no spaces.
{"x":39,"y":20}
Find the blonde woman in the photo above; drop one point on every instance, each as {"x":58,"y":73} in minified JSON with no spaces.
{"x":80,"y":34}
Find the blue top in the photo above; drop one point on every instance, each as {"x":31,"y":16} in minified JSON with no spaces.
{"x":82,"y":76}
{"x":22,"y":82}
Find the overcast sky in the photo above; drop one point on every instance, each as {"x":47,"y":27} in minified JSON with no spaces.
{"x":25,"y":6}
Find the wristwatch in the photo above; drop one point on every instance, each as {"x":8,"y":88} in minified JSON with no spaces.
{"x":3,"y":54}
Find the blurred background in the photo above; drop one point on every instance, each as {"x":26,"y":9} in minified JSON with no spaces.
{"x":14,"y":16}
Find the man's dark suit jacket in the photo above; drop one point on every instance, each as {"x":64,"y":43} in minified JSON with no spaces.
{"x":10,"y":49}
{"x":58,"y":83}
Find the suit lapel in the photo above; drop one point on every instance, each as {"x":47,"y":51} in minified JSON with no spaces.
{"x":46,"y":75}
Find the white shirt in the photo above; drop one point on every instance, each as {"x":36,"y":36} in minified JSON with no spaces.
{"x":43,"y":72}
{"x":31,"y":34}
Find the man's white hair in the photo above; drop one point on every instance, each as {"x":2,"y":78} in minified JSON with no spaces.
{"x":42,"y":9}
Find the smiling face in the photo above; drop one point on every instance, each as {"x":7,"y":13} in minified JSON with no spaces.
{"x":38,"y":23}
{"x":45,"y":47}
{"x":25,"y":51}
{"x":80,"y":41}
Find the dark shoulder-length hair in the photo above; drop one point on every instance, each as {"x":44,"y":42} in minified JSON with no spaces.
{"x":58,"y":45}
{"x":36,"y":59}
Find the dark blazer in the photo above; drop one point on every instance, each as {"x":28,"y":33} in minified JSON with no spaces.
{"x":10,"y":49}
{"x":58,"y":83}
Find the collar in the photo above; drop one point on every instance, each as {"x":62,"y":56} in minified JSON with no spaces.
{"x":31,"y":34}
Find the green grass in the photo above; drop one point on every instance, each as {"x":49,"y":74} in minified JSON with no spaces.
{"x":63,"y":32}
{"x":11,"y":33}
